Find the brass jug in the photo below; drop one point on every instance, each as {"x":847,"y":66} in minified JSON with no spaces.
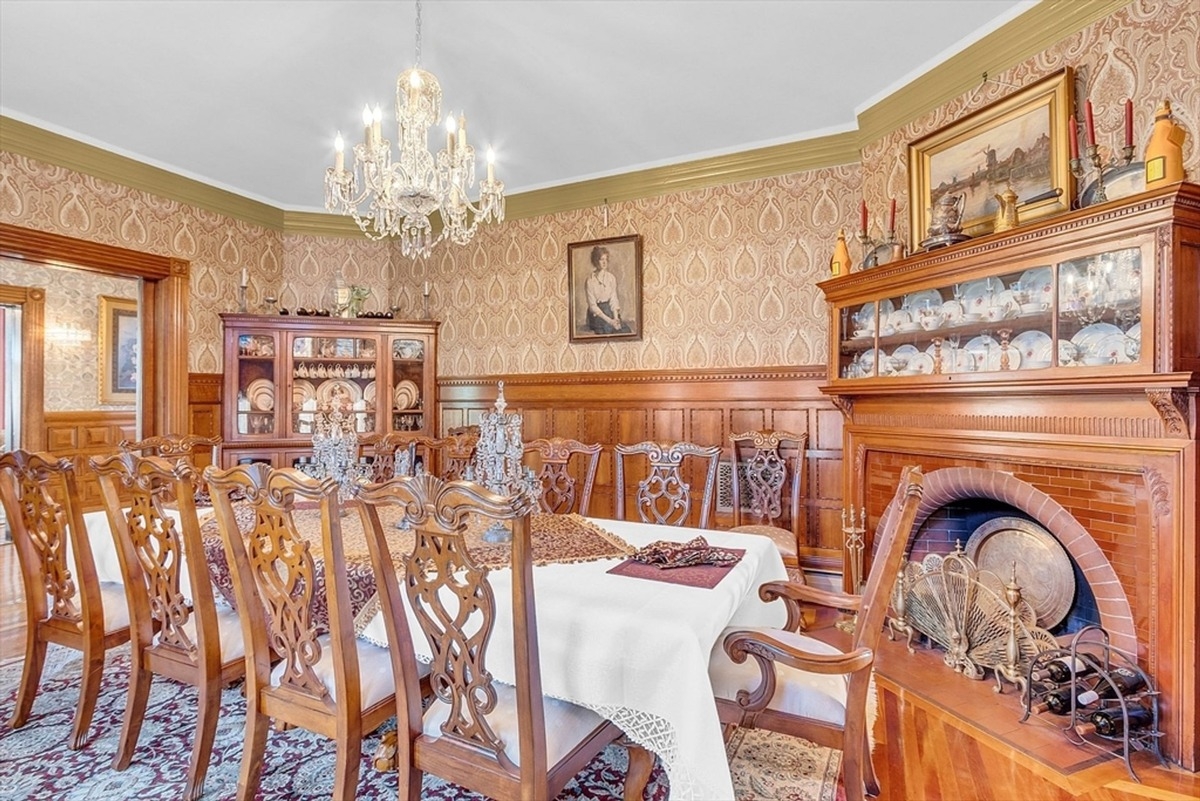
{"x":1006,"y":216}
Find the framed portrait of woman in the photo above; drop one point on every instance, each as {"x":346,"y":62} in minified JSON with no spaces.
{"x":604,"y":289}
{"x":119,"y":350}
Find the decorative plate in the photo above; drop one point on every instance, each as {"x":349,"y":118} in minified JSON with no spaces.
{"x":1039,"y":283}
{"x":1114,"y":347}
{"x":867,"y":360}
{"x":406,"y":394}
{"x":922,"y":299}
{"x":1119,"y":182}
{"x":978,"y":296}
{"x":261,"y":394}
{"x":339,"y":393}
{"x":369,"y":393}
{"x":921,"y":364}
{"x":952,"y":310}
{"x":1087,"y":338}
{"x":302,"y":391}
{"x":1035,"y":347}
{"x":995,"y":358}
{"x":1042,"y":565}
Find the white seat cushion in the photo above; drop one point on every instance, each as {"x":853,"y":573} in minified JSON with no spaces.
{"x":229,"y":634}
{"x":566,"y":724}
{"x":784,"y":540}
{"x":812,"y":695}
{"x":116,"y":606}
{"x":374,"y":671}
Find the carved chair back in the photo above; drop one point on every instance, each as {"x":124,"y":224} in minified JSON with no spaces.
{"x":664,"y":496}
{"x":65,"y":602}
{"x":454,"y":609}
{"x":321,"y":681}
{"x":400,"y":450}
{"x":176,"y":628}
{"x":768,"y":474}
{"x":174,"y":447}
{"x":457,"y":452}
{"x":559,"y":484}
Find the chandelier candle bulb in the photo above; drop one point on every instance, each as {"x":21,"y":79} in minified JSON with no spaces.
{"x":491,"y":165}
{"x":425,"y":289}
{"x":377,"y":124}
{"x":339,"y":154}
{"x":366,"y":120}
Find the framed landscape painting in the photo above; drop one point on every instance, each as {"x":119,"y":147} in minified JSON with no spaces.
{"x":604,"y":289}
{"x":1020,"y":141}
{"x":119,"y":350}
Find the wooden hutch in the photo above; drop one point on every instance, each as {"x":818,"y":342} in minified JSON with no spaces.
{"x":283,"y":371}
{"x":1054,"y":368}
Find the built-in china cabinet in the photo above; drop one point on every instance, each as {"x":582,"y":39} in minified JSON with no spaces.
{"x":285,"y":374}
{"x":1051,"y":372}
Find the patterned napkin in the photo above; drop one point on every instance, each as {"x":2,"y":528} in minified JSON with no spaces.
{"x":666,"y":555}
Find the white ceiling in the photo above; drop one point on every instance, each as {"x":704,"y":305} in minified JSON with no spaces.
{"x":248,"y":94}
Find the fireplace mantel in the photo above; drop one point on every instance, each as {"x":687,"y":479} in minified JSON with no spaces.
{"x":1104,"y":455}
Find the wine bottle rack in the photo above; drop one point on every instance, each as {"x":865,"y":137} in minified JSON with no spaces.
{"x":1093,"y":662}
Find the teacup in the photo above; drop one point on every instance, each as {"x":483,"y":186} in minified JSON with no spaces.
{"x":1032,"y":308}
{"x":931,"y":321}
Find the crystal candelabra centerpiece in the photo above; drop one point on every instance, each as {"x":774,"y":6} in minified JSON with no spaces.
{"x":497,"y":463}
{"x":397,"y":198}
{"x":335,"y":452}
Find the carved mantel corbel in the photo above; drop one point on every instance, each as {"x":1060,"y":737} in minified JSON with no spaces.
{"x":845,"y":405}
{"x":1172,"y":407}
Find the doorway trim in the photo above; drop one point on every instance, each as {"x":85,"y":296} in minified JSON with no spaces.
{"x":32,"y":301}
{"x":164,"y":304}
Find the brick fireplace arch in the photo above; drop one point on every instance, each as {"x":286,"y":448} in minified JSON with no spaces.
{"x":951,"y":484}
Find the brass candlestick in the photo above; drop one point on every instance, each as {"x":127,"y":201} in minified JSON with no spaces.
{"x":853,"y":546}
{"x":1080,"y":170}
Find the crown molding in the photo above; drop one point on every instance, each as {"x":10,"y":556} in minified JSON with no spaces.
{"x":1038,"y":28}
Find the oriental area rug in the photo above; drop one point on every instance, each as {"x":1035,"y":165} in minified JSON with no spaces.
{"x":36,"y":764}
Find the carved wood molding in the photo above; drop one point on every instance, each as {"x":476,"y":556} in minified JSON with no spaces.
{"x":1118,"y":427}
{"x":812,"y":372}
{"x":1171,"y":405}
{"x":1160,"y":491}
{"x":844,"y":404}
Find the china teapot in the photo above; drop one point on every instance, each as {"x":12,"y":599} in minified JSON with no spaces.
{"x":946,"y":215}
{"x":1006,"y":215}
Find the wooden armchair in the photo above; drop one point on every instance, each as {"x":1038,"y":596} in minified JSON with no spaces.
{"x":558,"y":483}
{"x":508,"y":742}
{"x":73,"y":609}
{"x":326,"y":681}
{"x":174,"y":447}
{"x":803,"y":687}
{"x":664,"y":496}
{"x":385,"y":448}
{"x":768,"y":473}
{"x":456,"y":452}
{"x":176,"y":629}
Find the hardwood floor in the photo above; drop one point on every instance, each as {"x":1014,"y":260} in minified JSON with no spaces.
{"x":923,"y":750}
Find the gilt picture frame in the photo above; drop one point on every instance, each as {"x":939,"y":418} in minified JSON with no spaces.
{"x":604,"y":289}
{"x":1020,"y":140}
{"x":119,"y":350}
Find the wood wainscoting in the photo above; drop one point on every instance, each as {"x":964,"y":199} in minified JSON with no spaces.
{"x":701,"y":406}
{"x":84,"y":434}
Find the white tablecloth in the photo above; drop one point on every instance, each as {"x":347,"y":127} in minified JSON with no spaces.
{"x":104,"y":549}
{"x":636,"y":651}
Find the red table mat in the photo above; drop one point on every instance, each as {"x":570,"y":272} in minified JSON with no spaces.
{"x":705,"y":576}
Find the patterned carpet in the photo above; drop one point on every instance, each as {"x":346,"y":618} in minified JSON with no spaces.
{"x":35,"y":763}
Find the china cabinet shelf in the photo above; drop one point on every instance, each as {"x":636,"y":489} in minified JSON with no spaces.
{"x":1077,"y":295}
{"x":286,"y":373}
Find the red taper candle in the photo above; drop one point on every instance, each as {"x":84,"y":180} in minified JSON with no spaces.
{"x":1128,"y":122}
{"x":863,"y":216}
{"x":892,"y":217}
{"x":1091,"y":124}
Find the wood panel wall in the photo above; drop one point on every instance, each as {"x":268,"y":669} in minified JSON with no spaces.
{"x":204,"y":409}
{"x":85,"y":434}
{"x":701,"y":406}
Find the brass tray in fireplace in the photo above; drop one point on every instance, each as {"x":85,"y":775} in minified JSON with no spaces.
{"x":1043,"y":567}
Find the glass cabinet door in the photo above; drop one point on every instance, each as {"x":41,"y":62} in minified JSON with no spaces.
{"x":255,"y":404}
{"x":407,"y":392}
{"x":333,"y":375}
{"x":1100,"y":309}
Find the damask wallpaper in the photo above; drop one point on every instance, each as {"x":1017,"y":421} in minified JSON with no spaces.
{"x":729,"y":271}
{"x":72,"y":313}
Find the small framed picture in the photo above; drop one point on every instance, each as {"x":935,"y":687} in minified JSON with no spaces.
{"x":120,"y":350}
{"x":604,"y":289}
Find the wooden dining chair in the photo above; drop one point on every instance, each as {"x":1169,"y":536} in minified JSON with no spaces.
{"x":664,"y":496}
{"x":326,"y":680}
{"x":175,"y":446}
{"x":65,"y":603}
{"x":768,"y":474}
{"x":559,"y":483}
{"x":177,"y":630}
{"x":507,"y":742}
{"x":803,"y":687}
{"x":456,"y":454}
{"x":399,"y":447}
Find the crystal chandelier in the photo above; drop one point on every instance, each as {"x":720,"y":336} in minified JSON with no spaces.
{"x":396,"y":198}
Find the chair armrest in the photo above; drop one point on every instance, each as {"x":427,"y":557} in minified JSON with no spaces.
{"x":793,"y":595}
{"x":767,"y":650}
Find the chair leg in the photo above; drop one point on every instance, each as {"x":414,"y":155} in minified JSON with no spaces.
{"x":253,"y":752}
{"x":869,"y":778}
{"x":208,"y":711}
{"x":31,"y":675}
{"x":345,"y":768}
{"x":135,"y":711}
{"x":89,"y":692}
{"x":853,"y":772}
{"x":641,"y":762}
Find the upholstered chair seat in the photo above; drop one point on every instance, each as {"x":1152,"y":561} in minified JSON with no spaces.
{"x":116,"y":610}
{"x":785,"y":541}
{"x":376,"y":680}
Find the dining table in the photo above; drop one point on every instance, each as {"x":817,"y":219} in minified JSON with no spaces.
{"x":629,"y":641}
